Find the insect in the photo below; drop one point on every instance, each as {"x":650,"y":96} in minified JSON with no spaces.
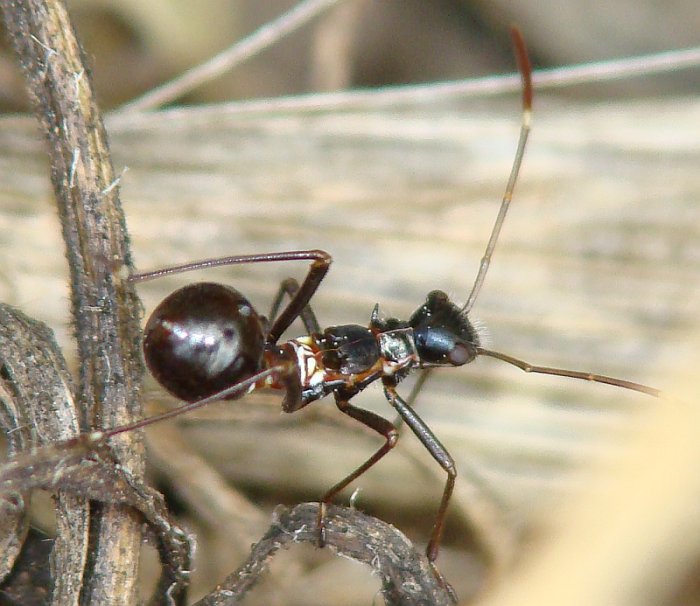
{"x":206,"y":342}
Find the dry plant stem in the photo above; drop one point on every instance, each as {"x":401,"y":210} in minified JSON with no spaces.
{"x":219,"y":509}
{"x":405,"y":574}
{"x":103,"y":304}
{"x":471,"y":88}
{"x":37,"y":407}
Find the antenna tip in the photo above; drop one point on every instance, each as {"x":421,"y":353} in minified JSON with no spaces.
{"x":524,"y":65}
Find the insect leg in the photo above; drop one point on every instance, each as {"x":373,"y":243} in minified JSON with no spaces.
{"x":438,"y":452}
{"x":290,"y":287}
{"x":418,"y":386}
{"x":320,"y":262}
{"x":373,"y":421}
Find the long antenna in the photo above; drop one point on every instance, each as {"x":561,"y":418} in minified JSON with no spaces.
{"x":525,"y":69}
{"x":572,"y":374}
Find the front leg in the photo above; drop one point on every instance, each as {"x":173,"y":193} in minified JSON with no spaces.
{"x":439,"y":453}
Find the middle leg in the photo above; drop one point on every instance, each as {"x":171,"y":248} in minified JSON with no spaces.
{"x":373,"y":421}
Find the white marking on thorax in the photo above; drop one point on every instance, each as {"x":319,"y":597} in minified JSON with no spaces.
{"x":311,"y":370}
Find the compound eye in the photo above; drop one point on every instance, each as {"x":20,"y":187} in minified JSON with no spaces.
{"x":461,"y":354}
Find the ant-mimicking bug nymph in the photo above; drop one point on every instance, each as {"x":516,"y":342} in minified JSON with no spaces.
{"x":206,"y":342}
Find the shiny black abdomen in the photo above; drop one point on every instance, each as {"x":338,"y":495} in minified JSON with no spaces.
{"x":202,"y":339}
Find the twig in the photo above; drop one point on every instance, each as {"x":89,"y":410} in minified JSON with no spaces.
{"x":37,"y":408}
{"x":406,"y":576}
{"x":104,"y":307}
{"x":480,"y":88}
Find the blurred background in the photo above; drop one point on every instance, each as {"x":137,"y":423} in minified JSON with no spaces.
{"x":134,"y":45}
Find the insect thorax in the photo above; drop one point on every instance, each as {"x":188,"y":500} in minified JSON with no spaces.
{"x":351,"y":357}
